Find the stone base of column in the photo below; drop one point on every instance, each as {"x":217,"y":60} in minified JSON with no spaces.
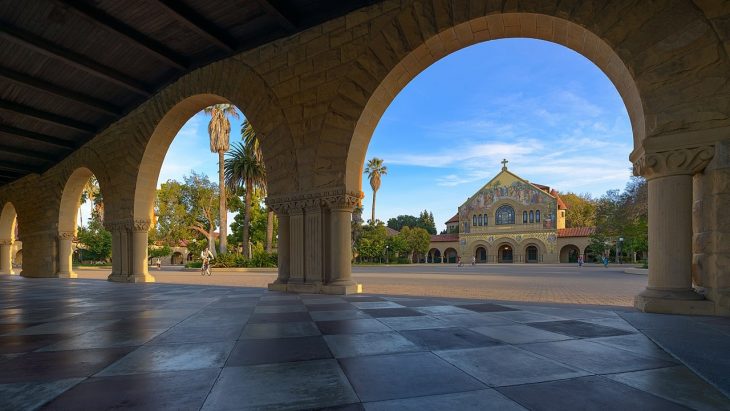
{"x":68,"y":275}
{"x":123,"y":278}
{"x":29,"y":274}
{"x":333,"y":289}
{"x":8,"y":273}
{"x":674,"y":302}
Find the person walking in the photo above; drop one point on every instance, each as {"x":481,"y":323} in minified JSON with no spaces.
{"x":473,"y":260}
{"x":206,"y":256}
{"x":605,"y":262}
{"x":458,"y":261}
{"x":580,"y":261}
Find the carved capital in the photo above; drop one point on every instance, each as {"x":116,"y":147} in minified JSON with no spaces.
{"x":141,"y":225}
{"x":683,"y":161}
{"x":6,"y":242}
{"x":344,"y":201}
{"x":65,"y":235}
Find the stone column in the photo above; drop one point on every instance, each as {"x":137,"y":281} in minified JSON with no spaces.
{"x":282,"y":214}
{"x":296,"y":244}
{"x":65,"y":255}
{"x":313,"y":243}
{"x":140,"y":262}
{"x":129,"y":251}
{"x":340,"y":243}
{"x":6,"y":260}
{"x":669,"y":176}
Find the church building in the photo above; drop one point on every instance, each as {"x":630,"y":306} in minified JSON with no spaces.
{"x":510,"y":220}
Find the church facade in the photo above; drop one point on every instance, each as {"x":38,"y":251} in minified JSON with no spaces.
{"x":510,"y":220}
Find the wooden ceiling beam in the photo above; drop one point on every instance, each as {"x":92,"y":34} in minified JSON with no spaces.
{"x":18,"y":167}
{"x":38,"y":155}
{"x":101,"y":18}
{"x":47,"y":117}
{"x":275,"y":13}
{"x":197,"y":23}
{"x":71,"y":58}
{"x":46,"y":87}
{"x":67,"y":145}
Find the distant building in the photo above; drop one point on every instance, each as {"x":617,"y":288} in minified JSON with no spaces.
{"x":510,"y":220}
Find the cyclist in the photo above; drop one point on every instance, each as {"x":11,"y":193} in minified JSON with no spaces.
{"x":206,"y":256}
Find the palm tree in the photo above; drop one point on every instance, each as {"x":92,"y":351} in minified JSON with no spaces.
{"x":219,"y":130}
{"x":375,"y":169}
{"x":92,"y":193}
{"x":250,"y":139}
{"x":244,"y":170}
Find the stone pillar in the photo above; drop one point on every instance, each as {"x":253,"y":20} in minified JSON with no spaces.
{"x":314,"y":243}
{"x":129,"y":251}
{"x":296,"y":244}
{"x":339,"y":248}
{"x":282,"y":214}
{"x":6,"y":260}
{"x":65,"y":255}
{"x":669,"y":176}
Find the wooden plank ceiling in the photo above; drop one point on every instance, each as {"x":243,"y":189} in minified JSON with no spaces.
{"x":69,"y":68}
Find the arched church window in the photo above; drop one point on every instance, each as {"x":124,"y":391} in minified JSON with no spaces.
{"x":474,"y":220}
{"x":537,"y":216}
{"x":486,"y":217}
{"x":505,"y":215}
{"x":524,"y":217}
{"x":532,"y":216}
{"x":481,"y":220}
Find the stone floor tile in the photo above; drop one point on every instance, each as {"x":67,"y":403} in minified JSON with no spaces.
{"x":351,"y":345}
{"x":56,"y":365}
{"x":414,"y":323}
{"x":462,"y":401}
{"x":596,"y":358}
{"x":523,"y":316}
{"x":170,"y":357}
{"x":324,"y":300}
{"x":280,"y":330}
{"x":10,"y":344}
{"x":418,"y":374}
{"x":363,"y":298}
{"x":419,"y":303}
{"x":486,"y":308}
{"x":448,"y":338}
{"x":252,"y":352}
{"x":180,"y":390}
{"x":279,"y":318}
{"x":578,"y":329}
{"x":331,"y":307}
{"x":274,"y":309}
{"x":31,"y":395}
{"x":64,"y":327}
{"x":636,"y":343}
{"x":588,"y":393}
{"x":295,"y":385}
{"x":352,"y":326}
{"x":393,"y":312}
{"x":443,"y":310}
{"x":338,"y":315}
{"x":183,"y":334}
{"x":279,"y":303}
{"x":104,"y":339}
{"x":367,"y":305}
{"x":519,"y":334}
{"x":506,"y":365}
{"x":473,"y":319}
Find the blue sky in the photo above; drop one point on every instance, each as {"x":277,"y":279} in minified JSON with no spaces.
{"x":548,"y":110}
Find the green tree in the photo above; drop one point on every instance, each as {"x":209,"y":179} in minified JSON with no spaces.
{"x":219,"y":130}
{"x":251,"y":139}
{"x":416,"y":239}
{"x":96,"y":241}
{"x":371,"y":244}
{"x":581,"y":210}
{"x":245,"y":171}
{"x":375,"y":170}
{"x":158,"y":251}
{"x":425,"y":220}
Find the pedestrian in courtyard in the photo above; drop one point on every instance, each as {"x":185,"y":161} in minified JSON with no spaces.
{"x":473,"y":260}
{"x":605,"y":261}
{"x":580,"y":261}
{"x":158,"y":263}
{"x":458,"y":261}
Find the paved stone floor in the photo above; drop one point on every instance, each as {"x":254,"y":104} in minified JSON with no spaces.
{"x":554,"y":283}
{"x":89,"y":344}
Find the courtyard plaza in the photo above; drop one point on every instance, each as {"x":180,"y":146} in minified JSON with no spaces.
{"x":89,"y":344}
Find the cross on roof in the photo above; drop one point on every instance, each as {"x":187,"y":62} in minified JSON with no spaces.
{"x":504,"y":164}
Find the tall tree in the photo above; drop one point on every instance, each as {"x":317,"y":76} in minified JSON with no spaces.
{"x":251,"y":139}
{"x":219,"y":130}
{"x":581,"y":210}
{"x":244,"y":171}
{"x":375,"y":170}
{"x":92,"y":193}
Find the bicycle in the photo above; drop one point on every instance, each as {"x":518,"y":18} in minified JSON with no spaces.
{"x":205,"y":268}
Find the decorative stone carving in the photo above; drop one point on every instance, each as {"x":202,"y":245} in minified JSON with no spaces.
{"x":141,"y":225}
{"x":674,"y":162}
{"x":344,"y":201}
{"x":65,"y":235}
{"x":6,"y":242}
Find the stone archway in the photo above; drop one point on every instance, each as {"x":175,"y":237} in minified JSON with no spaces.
{"x":434,"y":255}
{"x":505,"y":253}
{"x":450,"y":255}
{"x":480,"y":254}
{"x":18,"y":260}
{"x":569,"y":253}
{"x":8,"y":221}
{"x":531,"y":254}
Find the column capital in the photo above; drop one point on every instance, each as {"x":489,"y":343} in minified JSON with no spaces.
{"x":346,"y":201}
{"x":6,"y":242}
{"x":141,"y":225}
{"x":65,"y":235}
{"x":682,"y":161}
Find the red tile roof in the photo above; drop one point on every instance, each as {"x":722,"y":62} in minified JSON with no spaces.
{"x":576,"y":231}
{"x":444,"y":237}
{"x":561,"y":204}
{"x":454,"y":219}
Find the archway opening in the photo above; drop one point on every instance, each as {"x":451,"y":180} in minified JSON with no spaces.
{"x":450,"y":255}
{"x":82,"y":237}
{"x":8,"y":236}
{"x":480,"y":255}
{"x":505,"y":254}
{"x":531,"y":254}
{"x":569,"y":254}
{"x":434,"y":255}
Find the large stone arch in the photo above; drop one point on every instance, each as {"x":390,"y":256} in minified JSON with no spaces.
{"x":8,"y":221}
{"x":531,"y":241}
{"x":568,"y":252}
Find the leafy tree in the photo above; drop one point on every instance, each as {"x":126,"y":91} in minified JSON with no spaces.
{"x":375,"y":170}
{"x":155,"y":252}
{"x":416,"y":239}
{"x":258,"y":227}
{"x":397,"y":245}
{"x":92,"y":193}
{"x":581,"y":210}
{"x":244,"y":169}
{"x":96,"y":241}
{"x":219,"y":130}
{"x":425,"y":220}
{"x":371,"y":244}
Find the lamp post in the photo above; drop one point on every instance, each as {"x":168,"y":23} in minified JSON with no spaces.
{"x":386,"y":254}
{"x":618,"y":249}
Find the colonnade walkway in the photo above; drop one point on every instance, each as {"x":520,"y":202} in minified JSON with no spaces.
{"x":89,"y":344}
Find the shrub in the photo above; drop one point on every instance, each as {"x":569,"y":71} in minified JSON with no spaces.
{"x":194,"y":264}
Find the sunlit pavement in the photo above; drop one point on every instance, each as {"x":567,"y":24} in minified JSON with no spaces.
{"x":70,"y":344}
{"x":559,"y":283}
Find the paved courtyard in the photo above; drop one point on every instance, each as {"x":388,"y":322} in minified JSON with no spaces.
{"x":558,"y":283}
{"x":89,"y":344}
